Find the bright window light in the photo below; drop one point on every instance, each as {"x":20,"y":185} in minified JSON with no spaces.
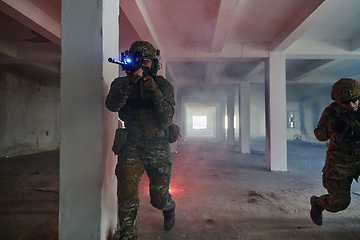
{"x":199,"y":122}
{"x":291,"y":118}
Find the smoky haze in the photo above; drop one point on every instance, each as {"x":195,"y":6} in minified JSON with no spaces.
{"x":305,"y":103}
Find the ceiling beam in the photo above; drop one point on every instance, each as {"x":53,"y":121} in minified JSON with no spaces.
{"x":307,"y":17}
{"x":249,"y":75}
{"x":48,"y":67}
{"x":355,"y":44}
{"x":246,"y":51}
{"x":8,"y":49}
{"x":225,"y":17}
{"x":304,"y":49}
{"x":32,"y":17}
{"x":31,"y":55}
{"x":316,"y":70}
{"x":136,"y":12}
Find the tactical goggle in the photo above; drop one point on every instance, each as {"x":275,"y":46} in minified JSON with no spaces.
{"x":351,"y":100}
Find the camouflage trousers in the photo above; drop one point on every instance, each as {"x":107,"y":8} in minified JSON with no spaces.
{"x":338,"y":174}
{"x":137,"y":156}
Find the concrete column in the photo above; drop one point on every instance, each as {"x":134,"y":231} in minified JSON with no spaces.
{"x":230,"y":116}
{"x":179,"y":114}
{"x":222,"y":120}
{"x":217,"y":121}
{"x":88,"y":202}
{"x":244,"y":110}
{"x":275,"y":110}
{"x":173,"y":146}
{"x":184,"y":117}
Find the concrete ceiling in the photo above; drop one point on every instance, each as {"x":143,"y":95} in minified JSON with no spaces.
{"x":203,"y":42}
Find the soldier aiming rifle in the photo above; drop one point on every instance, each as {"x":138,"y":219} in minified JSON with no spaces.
{"x":339,"y":123}
{"x":145,"y":102}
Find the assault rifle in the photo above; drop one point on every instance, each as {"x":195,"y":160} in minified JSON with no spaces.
{"x":132,"y":64}
{"x":351,"y":133}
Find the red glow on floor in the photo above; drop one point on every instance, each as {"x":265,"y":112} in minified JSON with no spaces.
{"x":173,"y":190}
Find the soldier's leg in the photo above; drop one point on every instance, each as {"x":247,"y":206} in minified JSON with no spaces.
{"x":128,"y":172}
{"x":158,"y":168}
{"x":159,"y":175}
{"x":338,"y":197}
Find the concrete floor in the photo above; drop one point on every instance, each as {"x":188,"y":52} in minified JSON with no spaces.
{"x":220,"y":194}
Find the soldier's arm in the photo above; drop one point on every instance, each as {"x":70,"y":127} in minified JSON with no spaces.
{"x":323,"y":131}
{"x":118,"y":94}
{"x":164,"y":102}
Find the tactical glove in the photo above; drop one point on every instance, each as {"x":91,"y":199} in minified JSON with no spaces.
{"x":133,"y":78}
{"x":150,"y":84}
{"x":339,"y":125}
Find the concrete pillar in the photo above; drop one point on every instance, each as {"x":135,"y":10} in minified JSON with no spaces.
{"x":222,"y":120}
{"x":173,"y":146}
{"x":180,"y":114}
{"x":244,"y":110}
{"x":230,"y":116}
{"x":184,"y":117}
{"x":88,"y":202}
{"x":275,"y":110}
{"x":217,"y":121}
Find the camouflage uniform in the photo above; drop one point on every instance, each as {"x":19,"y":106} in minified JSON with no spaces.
{"x":146,"y":148}
{"x":342,"y":163}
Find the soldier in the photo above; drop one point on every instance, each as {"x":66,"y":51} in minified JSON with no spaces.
{"x":147,"y":116}
{"x":339,"y":123}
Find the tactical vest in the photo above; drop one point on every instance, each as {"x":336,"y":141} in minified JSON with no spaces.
{"x":139,"y":114}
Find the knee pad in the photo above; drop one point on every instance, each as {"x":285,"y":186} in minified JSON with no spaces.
{"x":126,"y":186}
{"x":158,"y":200}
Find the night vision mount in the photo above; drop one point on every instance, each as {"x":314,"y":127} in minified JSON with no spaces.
{"x":129,"y":63}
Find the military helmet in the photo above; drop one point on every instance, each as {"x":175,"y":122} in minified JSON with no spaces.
{"x":345,"y":89}
{"x":144,"y":48}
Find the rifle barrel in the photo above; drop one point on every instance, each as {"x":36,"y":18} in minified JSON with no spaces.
{"x":113,"y":60}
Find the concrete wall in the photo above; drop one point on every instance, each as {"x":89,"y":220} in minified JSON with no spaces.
{"x":210,"y":130}
{"x":294,"y":133}
{"x":29,"y":115}
{"x":257,"y":110}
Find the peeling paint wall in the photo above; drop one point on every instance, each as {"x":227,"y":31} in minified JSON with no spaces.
{"x":29,"y":115}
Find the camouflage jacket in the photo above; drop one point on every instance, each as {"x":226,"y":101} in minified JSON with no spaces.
{"x":324,"y":132}
{"x":147,"y":115}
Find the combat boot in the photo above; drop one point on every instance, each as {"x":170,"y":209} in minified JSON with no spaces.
{"x":316,"y":211}
{"x":169,"y":219}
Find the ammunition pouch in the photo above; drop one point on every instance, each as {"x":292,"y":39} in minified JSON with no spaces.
{"x":119,"y":141}
{"x":346,"y":151}
{"x":174,"y":133}
{"x":350,"y":151}
{"x":160,"y":135}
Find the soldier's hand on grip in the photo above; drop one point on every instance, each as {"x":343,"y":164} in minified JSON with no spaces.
{"x":339,"y":125}
{"x":134,"y":77}
{"x":150,"y":84}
